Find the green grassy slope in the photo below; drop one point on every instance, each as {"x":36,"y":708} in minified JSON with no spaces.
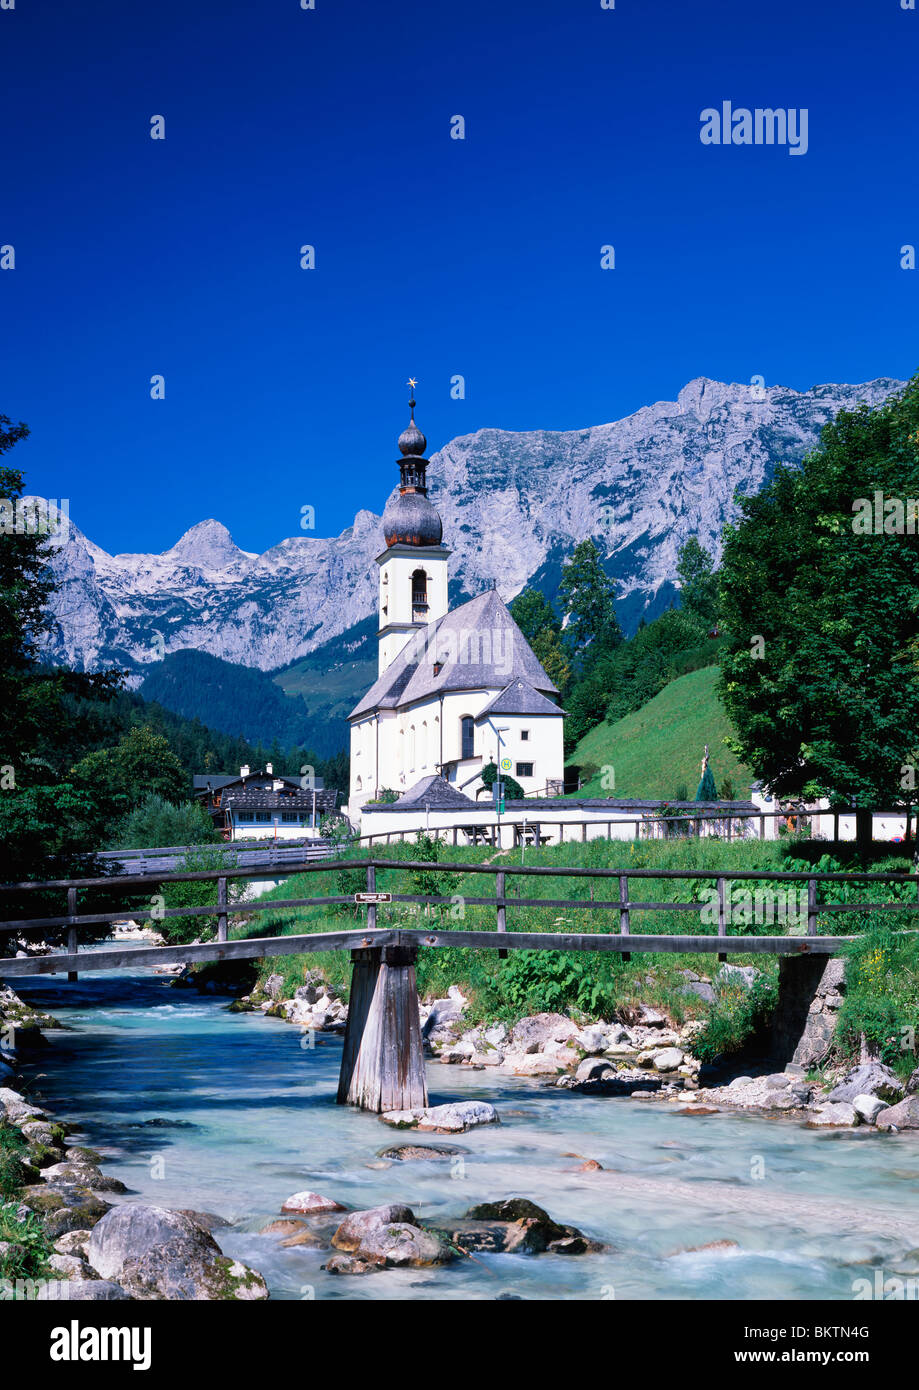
{"x":659,"y":746}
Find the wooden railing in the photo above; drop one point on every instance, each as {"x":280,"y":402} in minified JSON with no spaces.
{"x":719,"y":941}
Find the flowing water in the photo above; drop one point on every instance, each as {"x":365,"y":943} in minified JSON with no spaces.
{"x":192,"y":1106}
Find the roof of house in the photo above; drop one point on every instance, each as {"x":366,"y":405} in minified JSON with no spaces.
{"x":519,"y":697}
{"x":479,"y":646}
{"x":264,"y":799}
{"x":434,"y":793}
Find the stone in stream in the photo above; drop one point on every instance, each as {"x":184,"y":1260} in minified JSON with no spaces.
{"x":407,"y":1153}
{"x":531,"y":1034}
{"x":527,"y":1229}
{"x":444,"y":1119}
{"x":154,"y":1253}
{"x":311,"y":1204}
{"x":64,"y":1207}
{"x":869,"y":1107}
{"x":594,"y":1069}
{"x":831,"y":1115}
{"x":903,"y":1115}
{"x":385,"y":1238}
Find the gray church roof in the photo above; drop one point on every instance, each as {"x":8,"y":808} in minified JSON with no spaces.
{"x":434,"y":792}
{"x":480,"y":647}
{"x":518,"y":698}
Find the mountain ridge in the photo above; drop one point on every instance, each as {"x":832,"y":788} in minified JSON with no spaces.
{"x":513,"y":504}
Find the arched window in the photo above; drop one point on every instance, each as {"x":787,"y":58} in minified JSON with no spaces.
{"x":419,"y":592}
{"x":357,"y":784}
{"x":423,"y":754}
{"x":467,"y":736}
{"x":411,"y":749}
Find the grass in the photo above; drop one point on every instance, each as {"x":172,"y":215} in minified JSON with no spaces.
{"x":655,"y":749}
{"x":596,"y":984}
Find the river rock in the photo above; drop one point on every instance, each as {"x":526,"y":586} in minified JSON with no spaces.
{"x":84,"y":1175}
{"x":311,"y":1203}
{"x":386,"y":1238}
{"x":358,"y":1226}
{"x":592,"y":1040}
{"x":528,"y":1229}
{"x":444,"y":1119}
{"x":71,"y":1267}
{"x":869,"y":1079}
{"x":668,"y":1059}
{"x":832,"y":1115}
{"x":64,"y":1207}
{"x":409,"y":1153}
{"x":531,"y":1034}
{"x":80,"y":1290}
{"x":869,"y":1107}
{"x":155,"y":1253}
{"x":594,"y":1069}
{"x":903,"y":1115}
{"x":443,"y":1011}
{"x":73,"y":1243}
{"x":532,"y":1064}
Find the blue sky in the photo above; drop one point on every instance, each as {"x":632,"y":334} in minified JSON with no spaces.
{"x":434,"y":256}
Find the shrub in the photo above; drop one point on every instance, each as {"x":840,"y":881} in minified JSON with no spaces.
{"x":157,"y":822}
{"x":739,"y":1013}
{"x":881,"y":1002}
{"x":178,"y":931}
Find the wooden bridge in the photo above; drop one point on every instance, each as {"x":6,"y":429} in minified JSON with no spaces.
{"x":382,"y":1063}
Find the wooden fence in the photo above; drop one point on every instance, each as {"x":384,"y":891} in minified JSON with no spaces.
{"x":504,"y":937}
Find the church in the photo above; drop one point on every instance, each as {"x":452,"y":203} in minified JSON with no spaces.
{"x":457,"y":689}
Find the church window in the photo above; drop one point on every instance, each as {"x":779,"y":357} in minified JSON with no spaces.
{"x":419,"y":591}
{"x":467,"y":736}
{"x":524,"y":734}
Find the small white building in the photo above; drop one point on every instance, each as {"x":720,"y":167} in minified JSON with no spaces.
{"x":457,"y":689}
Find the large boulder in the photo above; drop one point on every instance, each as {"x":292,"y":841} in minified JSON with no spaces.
{"x":903,"y":1115}
{"x":385,"y":1238}
{"x":159,"y":1254}
{"x":444,"y":1119}
{"x":668,"y":1059}
{"x":868,"y":1107}
{"x":869,"y":1079}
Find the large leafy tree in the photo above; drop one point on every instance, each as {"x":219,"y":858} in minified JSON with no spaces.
{"x":588,"y":596}
{"x":820,"y":676}
{"x":541,"y":626}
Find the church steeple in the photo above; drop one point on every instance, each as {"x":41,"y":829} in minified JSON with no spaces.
{"x":413,"y":567}
{"x":410,"y":518}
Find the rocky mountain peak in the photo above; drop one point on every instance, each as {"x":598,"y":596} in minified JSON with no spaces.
{"x":207,"y":545}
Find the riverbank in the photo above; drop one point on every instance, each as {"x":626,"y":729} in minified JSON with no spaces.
{"x":60,"y":1237}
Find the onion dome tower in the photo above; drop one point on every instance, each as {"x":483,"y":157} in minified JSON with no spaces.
{"x":410,"y":518}
{"x":413,"y":567}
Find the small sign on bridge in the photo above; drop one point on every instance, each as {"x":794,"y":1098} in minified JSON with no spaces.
{"x":373,"y":897}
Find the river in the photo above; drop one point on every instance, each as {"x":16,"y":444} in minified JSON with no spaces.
{"x":246,"y":1116}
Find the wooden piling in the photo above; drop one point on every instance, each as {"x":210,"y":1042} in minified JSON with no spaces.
{"x":383,"y":1061}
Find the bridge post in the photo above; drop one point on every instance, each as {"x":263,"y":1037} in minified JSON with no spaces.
{"x":383,"y":1060}
{"x":221,"y":909}
{"x":72,"y":975}
{"x":805,"y":1018}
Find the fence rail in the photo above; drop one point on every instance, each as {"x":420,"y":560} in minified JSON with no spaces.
{"x":733,"y":825}
{"x":503,"y":937}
